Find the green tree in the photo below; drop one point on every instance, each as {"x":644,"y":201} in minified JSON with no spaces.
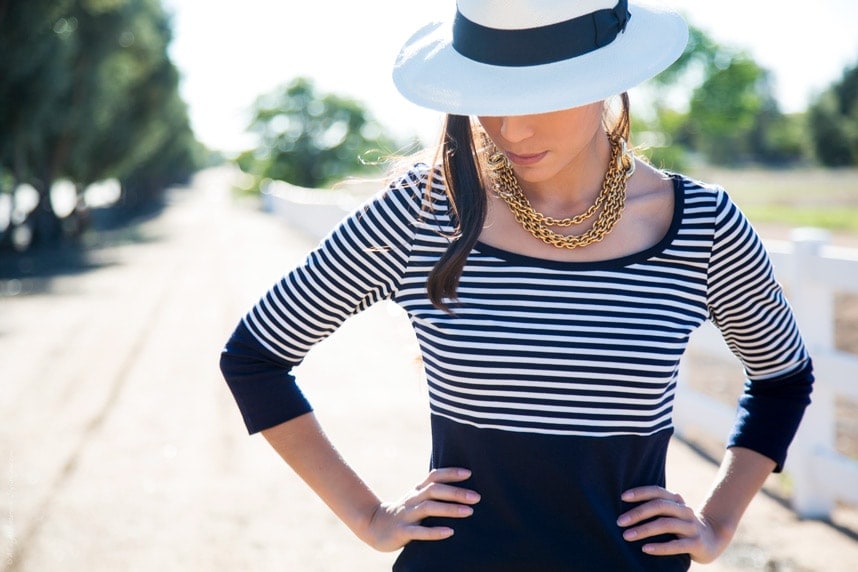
{"x":833,"y":122}
{"x":35,"y":43}
{"x":87,"y":92}
{"x":665,"y":130}
{"x":311,"y":139}
{"x":701,"y":56}
{"x":731,"y":115}
{"x":724,"y":109}
{"x":778,"y":139}
{"x":144,"y":132}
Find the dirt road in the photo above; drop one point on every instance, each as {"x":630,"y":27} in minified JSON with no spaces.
{"x":121,"y":449}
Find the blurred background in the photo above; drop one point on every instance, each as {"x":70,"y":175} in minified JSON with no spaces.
{"x":124,"y":123}
{"x":105,"y":102}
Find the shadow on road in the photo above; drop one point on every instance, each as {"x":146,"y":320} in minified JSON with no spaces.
{"x":33,"y":271}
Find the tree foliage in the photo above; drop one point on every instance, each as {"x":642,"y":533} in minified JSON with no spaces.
{"x":833,"y":122}
{"x":311,"y":139}
{"x":731,"y":116}
{"x":87,"y":92}
{"x":724,"y":109}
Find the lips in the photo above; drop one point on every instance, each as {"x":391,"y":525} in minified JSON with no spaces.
{"x":525,"y":159}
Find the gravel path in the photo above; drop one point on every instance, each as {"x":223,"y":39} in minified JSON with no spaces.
{"x":121,"y":449}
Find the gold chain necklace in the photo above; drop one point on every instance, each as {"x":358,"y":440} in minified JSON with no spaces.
{"x":611,"y":199}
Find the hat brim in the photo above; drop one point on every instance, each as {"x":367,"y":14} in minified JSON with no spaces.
{"x":431,"y":73}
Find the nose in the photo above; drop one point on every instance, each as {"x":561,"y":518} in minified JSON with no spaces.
{"x":516,"y":128}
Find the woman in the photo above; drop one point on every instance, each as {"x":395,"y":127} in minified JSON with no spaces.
{"x":552,"y":279}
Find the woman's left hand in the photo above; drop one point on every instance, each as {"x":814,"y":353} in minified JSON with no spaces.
{"x":665,"y":512}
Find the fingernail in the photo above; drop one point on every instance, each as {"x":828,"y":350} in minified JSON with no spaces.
{"x":628,"y":495}
{"x":630,"y":534}
{"x":624,"y":520}
{"x":466,"y":510}
{"x":472,"y":496}
{"x":464,"y":473}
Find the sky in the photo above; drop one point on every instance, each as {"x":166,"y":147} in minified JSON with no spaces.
{"x":229,"y":53}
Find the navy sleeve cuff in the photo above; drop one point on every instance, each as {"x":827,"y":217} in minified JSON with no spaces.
{"x":261,"y":383}
{"x":770,"y":412}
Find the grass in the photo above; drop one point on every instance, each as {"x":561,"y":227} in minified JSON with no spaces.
{"x":831,"y":218}
{"x":824,"y":198}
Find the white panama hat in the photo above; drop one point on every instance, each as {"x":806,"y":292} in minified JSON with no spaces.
{"x":519,"y":57}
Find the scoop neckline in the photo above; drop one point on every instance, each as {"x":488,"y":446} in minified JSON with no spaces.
{"x":619,"y":262}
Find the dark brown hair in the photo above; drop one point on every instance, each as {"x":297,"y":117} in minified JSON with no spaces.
{"x":466,"y":192}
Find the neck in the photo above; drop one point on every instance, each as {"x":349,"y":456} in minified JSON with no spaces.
{"x":575,"y":187}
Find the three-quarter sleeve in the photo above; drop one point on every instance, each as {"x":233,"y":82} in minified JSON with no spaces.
{"x":748,"y":305}
{"x":357,"y":264}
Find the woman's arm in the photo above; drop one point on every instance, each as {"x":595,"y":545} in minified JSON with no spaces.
{"x":384,"y":526}
{"x":705,"y":533}
{"x":749,"y":307}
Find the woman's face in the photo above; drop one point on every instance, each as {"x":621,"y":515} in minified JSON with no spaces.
{"x":547,"y":146}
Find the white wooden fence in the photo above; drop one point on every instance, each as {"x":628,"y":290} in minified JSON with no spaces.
{"x":811,"y":271}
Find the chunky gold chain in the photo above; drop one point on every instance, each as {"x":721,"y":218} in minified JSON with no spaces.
{"x":611,"y":199}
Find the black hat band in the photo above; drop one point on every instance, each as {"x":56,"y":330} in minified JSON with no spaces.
{"x":542,"y":45}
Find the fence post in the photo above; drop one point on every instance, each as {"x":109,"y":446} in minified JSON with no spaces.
{"x":813,"y":304}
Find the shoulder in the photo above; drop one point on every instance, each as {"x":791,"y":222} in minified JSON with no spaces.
{"x":698,"y":195}
{"x":693,"y":185}
{"x":419,"y":184}
{"x":649,"y":180}
{"x":416,"y":177}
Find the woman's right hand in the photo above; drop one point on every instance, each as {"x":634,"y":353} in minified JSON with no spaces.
{"x":393,"y":525}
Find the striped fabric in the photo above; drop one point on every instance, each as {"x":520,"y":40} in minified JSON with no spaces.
{"x":544,"y":347}
{"x":552,"y":382}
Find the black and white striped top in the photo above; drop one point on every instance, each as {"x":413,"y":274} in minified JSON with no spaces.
{"x":541,"y":352}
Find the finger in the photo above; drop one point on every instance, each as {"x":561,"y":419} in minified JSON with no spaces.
{"x":432,"y":508}
{"x":447,"y":475}
{"x":674,"y":526}
{"x":641,"y":494}
{"x":671,"y":547}
{"x":417,"y":532}
{"x":449,"y":493}
{"x":656,"y":508}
